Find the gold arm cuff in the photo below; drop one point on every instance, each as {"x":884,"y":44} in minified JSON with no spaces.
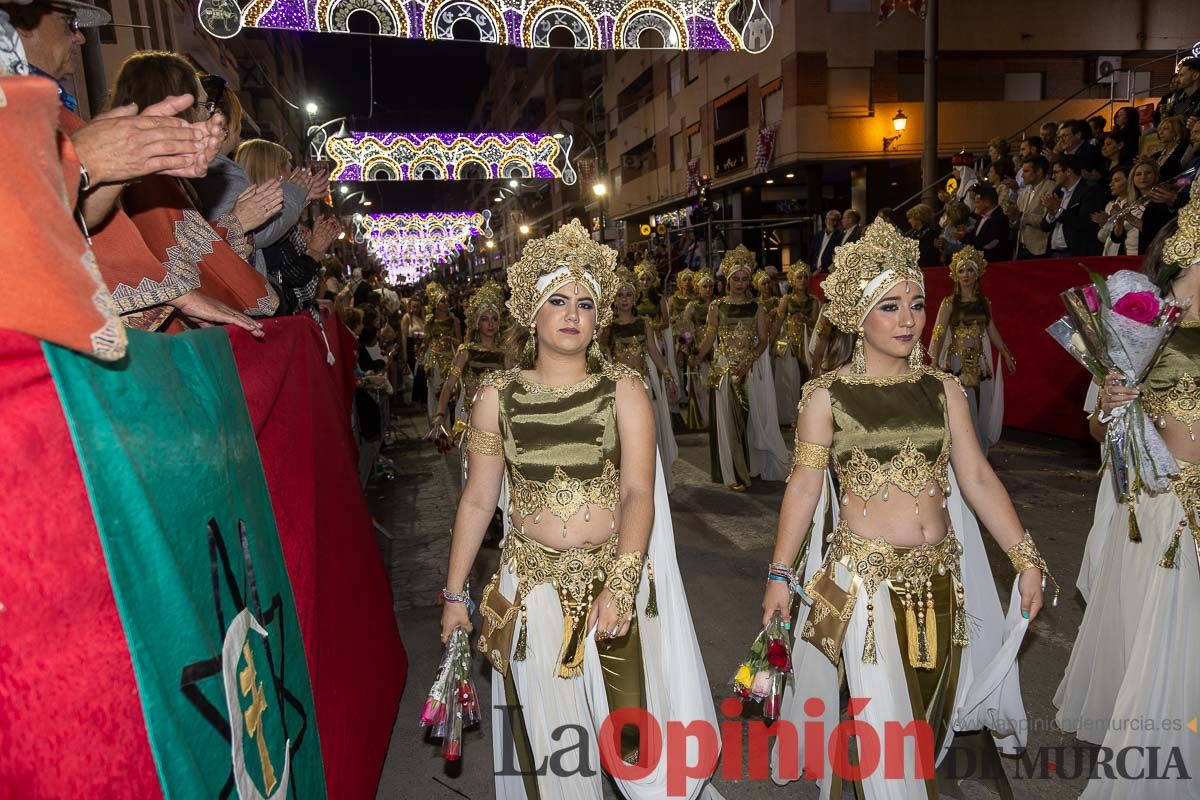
{"x":624,"y":577}
{"x":813,"y":456}
{"x":1024,"y":555}
{"x":484,"y":443}
{"x":455,"y":373}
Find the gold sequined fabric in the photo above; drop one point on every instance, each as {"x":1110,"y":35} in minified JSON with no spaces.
{"x":967,"y":325}
{"x":737,"y":337}
{"x":480,"y":361}
{"x":1171,"y":389}
{"x":441,"y":349}
{"x":888,"y":432}
{"x":628,"y":340}
{"x":575,"y":573}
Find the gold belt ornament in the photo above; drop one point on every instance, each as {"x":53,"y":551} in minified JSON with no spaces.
{"x":1181,"y":402}
{"x":1186,"y":487}
{"x":564,"y":496}
{"x":909,"y":471}
{"x":577,"y":575}
{"x":909,"y":573}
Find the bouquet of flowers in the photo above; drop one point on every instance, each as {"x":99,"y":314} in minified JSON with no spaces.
{"x":440,"y":438}
{"x":452,"y":703}
{"x":763,"y":675}
{"x":1121,"y":325}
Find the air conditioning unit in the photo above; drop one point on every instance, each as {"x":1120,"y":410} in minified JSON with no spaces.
{"x":1107,"y":68}
{"x":631,"y":162}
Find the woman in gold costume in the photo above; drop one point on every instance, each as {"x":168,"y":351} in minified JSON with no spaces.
{"x":442,"y":337}
{"x":1137,"y":653}
{"x":572,"y":624}
{"x":632,"y":343}
{"x":799,"y":310}
{"x":652,"y":306}
{"x":743,"y":428}
{"x":899,"y":554}
{"x":677,"y":305}
{"x":695,"y":318}
{"x":963,"y":337}
{"x":480,"y":354}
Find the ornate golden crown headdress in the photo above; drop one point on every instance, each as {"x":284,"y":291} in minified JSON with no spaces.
{"x":799,"y":273}
{"x":434,"y":294}
{"x":702,"y":276}
{"x":646,"y":267}
{"x":968,"y":255}
{"x":865,"y":270}
{"x":1183,"y":248}
{"x":625,"y":277}
{"x":488,"y":297}
{"x":566,"y":256}
{"x":760,"y":276}
{"x":737,"y":260}
{"x":684,"y":274}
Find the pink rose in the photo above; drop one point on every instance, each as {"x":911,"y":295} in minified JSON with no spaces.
{"x":1140,"y":307}
{"x":762,"y":684}
{"x":1089,"y":295}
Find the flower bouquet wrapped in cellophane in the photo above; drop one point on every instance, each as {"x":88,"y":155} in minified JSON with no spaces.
{"x":1121,"y":325}
{"x":452,"y":703}
{"x":763,"y":675}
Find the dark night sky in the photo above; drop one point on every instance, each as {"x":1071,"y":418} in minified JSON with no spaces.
{"x":419,"y":86}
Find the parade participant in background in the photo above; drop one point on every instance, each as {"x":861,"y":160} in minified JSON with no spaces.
{"x":677,"y":305}
{"x":964,"y":179}
{"x":901,"y":541}
{"x":574,"y":626}
{"x":964,"y":336}
{"x":480,"y":354}
{"x":652,"y":306}
{"x":684,"y":294}
{"x":443,"y":333}
{"x":412,"y":341}
{"x":1137,"y":653}
{"x":743,"y":429}
{"x":631,"y":342}
{"x":695,"y":318}
{"x":799,"y":311}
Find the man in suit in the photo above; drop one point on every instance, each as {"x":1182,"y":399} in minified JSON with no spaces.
{"x":991,"y":233}
{"x":852,"y":226}
{"x":820,"y":251}
{"x":1029,"y":211}
{"x":1069,"y":210}
{"x":1073,"y":141}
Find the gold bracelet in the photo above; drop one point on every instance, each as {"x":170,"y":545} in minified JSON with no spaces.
{"x":1024,"y":555}
{"x":624,"y":577}
{"x":813,"y":456}
{"x":484,"y":443}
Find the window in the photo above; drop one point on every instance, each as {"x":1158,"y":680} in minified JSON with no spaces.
{"x":678,"y":157}
{"x":674,"y":76}
{"x":693,"y":65}
{"x":1023,"y":86}
{"x":731,"y":113}
{"x":693,"y":141}
{"x":849,"y":91}
{"x":772,"y":100}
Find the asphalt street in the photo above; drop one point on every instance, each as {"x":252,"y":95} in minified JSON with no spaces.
{"x":724,"y":542}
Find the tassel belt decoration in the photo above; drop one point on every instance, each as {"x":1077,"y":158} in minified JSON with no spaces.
{"x":1186,"y":487}
{"x":578,"y":575}
{"x":909,"y":573}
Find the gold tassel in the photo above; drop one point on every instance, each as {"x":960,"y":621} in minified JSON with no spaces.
{"x":652,"y":596}
{"x":858,"y":363}
{"x":1168,"y":559}
{"x":522,"y":642}
{"x":529,"y":353}
{"x":1135,"y":533}
{"x":916,"y":359}
{"x":960,"y":636}
{"x":570,"y":655}
{"x":869,"y":655}
{"x":930,"y":634}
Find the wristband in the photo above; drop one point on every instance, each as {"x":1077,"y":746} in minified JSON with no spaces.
{"x":624,"y":577}
{"x":1024,"y":555}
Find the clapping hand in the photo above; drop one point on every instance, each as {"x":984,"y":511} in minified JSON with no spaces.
{"x":121,"y":145}
{"x":258,"y":204}
{"x":322,"y":235}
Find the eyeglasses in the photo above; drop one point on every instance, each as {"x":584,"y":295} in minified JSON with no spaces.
{"x":207,"y":107}
{"x":214,"y":87}
{"x":72,"y":22}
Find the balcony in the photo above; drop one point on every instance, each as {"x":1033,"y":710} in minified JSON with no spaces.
{"x":636,"y":128}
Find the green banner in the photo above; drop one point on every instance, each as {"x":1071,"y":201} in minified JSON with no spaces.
{"x":180,"y":500}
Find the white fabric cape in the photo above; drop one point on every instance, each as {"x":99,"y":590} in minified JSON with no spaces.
{"x":668,"y":451}
{"x":989,"y":691}
{"x":770,"y":459}
{"x":787,"y":386}
{"x":433,"y":388}
{"x":677,"y":687}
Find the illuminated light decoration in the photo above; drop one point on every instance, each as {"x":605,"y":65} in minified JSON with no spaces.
{"x":450,"y":156}
{"x":590,"y":24}
{"x":454,"y":225}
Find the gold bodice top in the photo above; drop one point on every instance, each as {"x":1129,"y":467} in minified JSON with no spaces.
{"x":440,"y":333}
{"x":676,"y":306}
{"x":737,"y":331}
{"x":888,"y":432}
{"x":700,"y":314}
{"x":967,"y":324}
{"x":769,"y":303}
{"x":628,"y":341}
{"x":1170,"y":388}
{"x":480,"y":361}
{"x":649,"y":306}
{"x":801,"y":314}
{"x":561,"y":444}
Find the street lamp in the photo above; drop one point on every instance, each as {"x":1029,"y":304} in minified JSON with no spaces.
{"x":513,"y":183}
{"x":599,"y":189}
{"x":343,"y":188}
{"x":899,"y":123}
{"x":490,"y":244}
{"x":524,"y":230}
{"x":311,"y":108}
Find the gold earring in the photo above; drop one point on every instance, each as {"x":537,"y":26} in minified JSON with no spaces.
{"x":529,"y":353}
{"x":916,"y":359}
{"x":858,"y":363}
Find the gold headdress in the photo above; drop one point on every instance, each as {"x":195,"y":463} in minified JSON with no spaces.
{"x":684,"y":275}
{"x":759,"y":277}
{"x":799,"y":273}
{"x":1183,"y":248}
{"x":434,"y":294}
{"x":968,"y":255}
{"x":488,"y":297}
{"x":737,"y":260}
{"x":646,"y":267}
{"x":569,"y":255}
{"x":624,"y":278}
{"x":865,"y":270}
{"x":702,"y":275}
